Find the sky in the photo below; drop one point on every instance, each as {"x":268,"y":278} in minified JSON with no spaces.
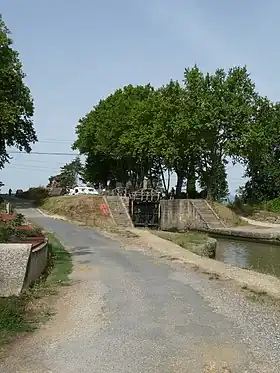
{"x":76,"y":52}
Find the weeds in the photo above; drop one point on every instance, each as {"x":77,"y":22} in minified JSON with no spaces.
{"x":192,"y":241}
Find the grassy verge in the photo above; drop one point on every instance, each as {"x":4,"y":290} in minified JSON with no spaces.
{"x":25,"y":313}
{"x":227,"y":215}
{"x":266,"y":211}
{"x":60,"y":264}
{"x":192,"y":241}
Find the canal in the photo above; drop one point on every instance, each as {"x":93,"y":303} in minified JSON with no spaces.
{"x":260,"y":257}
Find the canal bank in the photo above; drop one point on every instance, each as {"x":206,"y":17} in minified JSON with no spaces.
{"x":240,"y":252}
{"x":251,"y":232}
{"x":248,"y":279}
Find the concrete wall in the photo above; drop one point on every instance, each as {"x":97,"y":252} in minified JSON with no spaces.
{"x":37,"y":263}
{"x":19,"y":266}
{"x":179,"y":214}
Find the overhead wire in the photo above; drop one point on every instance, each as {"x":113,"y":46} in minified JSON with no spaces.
{"x":43,"y":153}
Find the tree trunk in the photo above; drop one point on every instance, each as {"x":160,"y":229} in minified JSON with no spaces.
{"x":163,"y":180}
{"x":209,"y":194}
{"x":168,"y":180}
{"x":191,"y":181}
{"x":180,"y":179}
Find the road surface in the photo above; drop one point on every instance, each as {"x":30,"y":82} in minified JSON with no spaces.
{"x":132,"y":312}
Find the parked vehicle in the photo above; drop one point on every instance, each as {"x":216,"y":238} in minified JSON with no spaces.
{"x":83,"y":190}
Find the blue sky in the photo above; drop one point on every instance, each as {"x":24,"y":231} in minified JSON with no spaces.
{"x":76,"y":52}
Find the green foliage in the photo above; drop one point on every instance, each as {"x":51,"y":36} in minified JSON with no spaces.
{"x":12,"y":317}
{"x":69,"y":174}
{"x":261,"y":154}
{"x":60,"y":263}
{"x":190,"y":129}
{"x":273,"y":205}
{"x":16,"y":104}
{"x":193,"y":241}
{"x":241,"y":208}
{"x":36,"y":195}
{"x":10,"y":230}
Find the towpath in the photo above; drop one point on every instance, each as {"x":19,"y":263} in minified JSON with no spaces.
{"x":128,"y":311}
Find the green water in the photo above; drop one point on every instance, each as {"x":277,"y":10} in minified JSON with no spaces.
{"x":261,"y":257}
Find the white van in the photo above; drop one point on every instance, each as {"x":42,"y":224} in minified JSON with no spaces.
{"x":82,"y":190}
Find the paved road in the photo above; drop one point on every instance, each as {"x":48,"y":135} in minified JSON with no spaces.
{"x":132,"y":312}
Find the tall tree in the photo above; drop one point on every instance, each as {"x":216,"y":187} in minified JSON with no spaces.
{"x":259,"y":151}
{"x":227,"y":112}
{"x":16,"y":104}
{"x":103,"y":133}
{"x":70,"y":172}
{"x":191,"y":130}
{"x":171,"y":136}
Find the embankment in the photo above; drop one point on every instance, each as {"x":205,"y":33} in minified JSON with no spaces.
{"x":262,"y":234}
{"x":247,"y":279}
{"x":83,"y":209}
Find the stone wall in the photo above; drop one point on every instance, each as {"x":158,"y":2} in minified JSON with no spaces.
{"x":20,"y":266}
{"x":180,"y":215}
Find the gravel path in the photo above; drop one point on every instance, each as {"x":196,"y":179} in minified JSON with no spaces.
{"x":129,"y":311}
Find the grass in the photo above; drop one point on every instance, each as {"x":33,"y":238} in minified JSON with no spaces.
{"x":25,"y":313}
{"x":266,"y":211}
{"x":183,"y":239}
{"x":227,"y":215}
{"x":191,"y":241}
{"x":60,"y":264}
{"x":84,"y":209}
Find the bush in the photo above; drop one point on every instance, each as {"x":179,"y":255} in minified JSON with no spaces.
{"x":10,"y":231}
{"x":37,"y":195}
{"x":241,"y":208}
{"x":273,"y":205}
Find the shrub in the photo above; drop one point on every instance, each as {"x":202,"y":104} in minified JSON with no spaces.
{"x":273,"y":205}
{"x":37,"y":195}
{"x":10,"y":231}
{"x":241,"y":208}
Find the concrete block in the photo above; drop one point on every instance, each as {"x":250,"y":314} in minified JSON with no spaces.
{"x":13,"y":264}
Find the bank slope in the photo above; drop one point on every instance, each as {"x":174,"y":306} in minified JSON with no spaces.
{"x":84,"y":209}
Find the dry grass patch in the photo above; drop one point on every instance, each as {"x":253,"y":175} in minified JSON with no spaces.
{"x":229,"y":217}
{"x":84,"y":209}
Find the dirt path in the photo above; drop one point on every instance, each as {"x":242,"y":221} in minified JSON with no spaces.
{"x":129,"y":310}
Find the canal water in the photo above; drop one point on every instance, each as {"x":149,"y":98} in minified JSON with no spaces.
{"x":260,"y":257}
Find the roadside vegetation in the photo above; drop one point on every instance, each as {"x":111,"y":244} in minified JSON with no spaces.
{"x":13,"y":230}
{"x":195,"y":242}
{"x":35,"y":195}
{"x":227,"y":215}
{"x":25,"y":313}
{"x":268,"y":211}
